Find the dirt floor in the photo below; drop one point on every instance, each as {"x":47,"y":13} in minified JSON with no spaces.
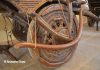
{"x":86,"y":57}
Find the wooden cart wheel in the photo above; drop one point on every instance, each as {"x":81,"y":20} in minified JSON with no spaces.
{"x":53,"y":15}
